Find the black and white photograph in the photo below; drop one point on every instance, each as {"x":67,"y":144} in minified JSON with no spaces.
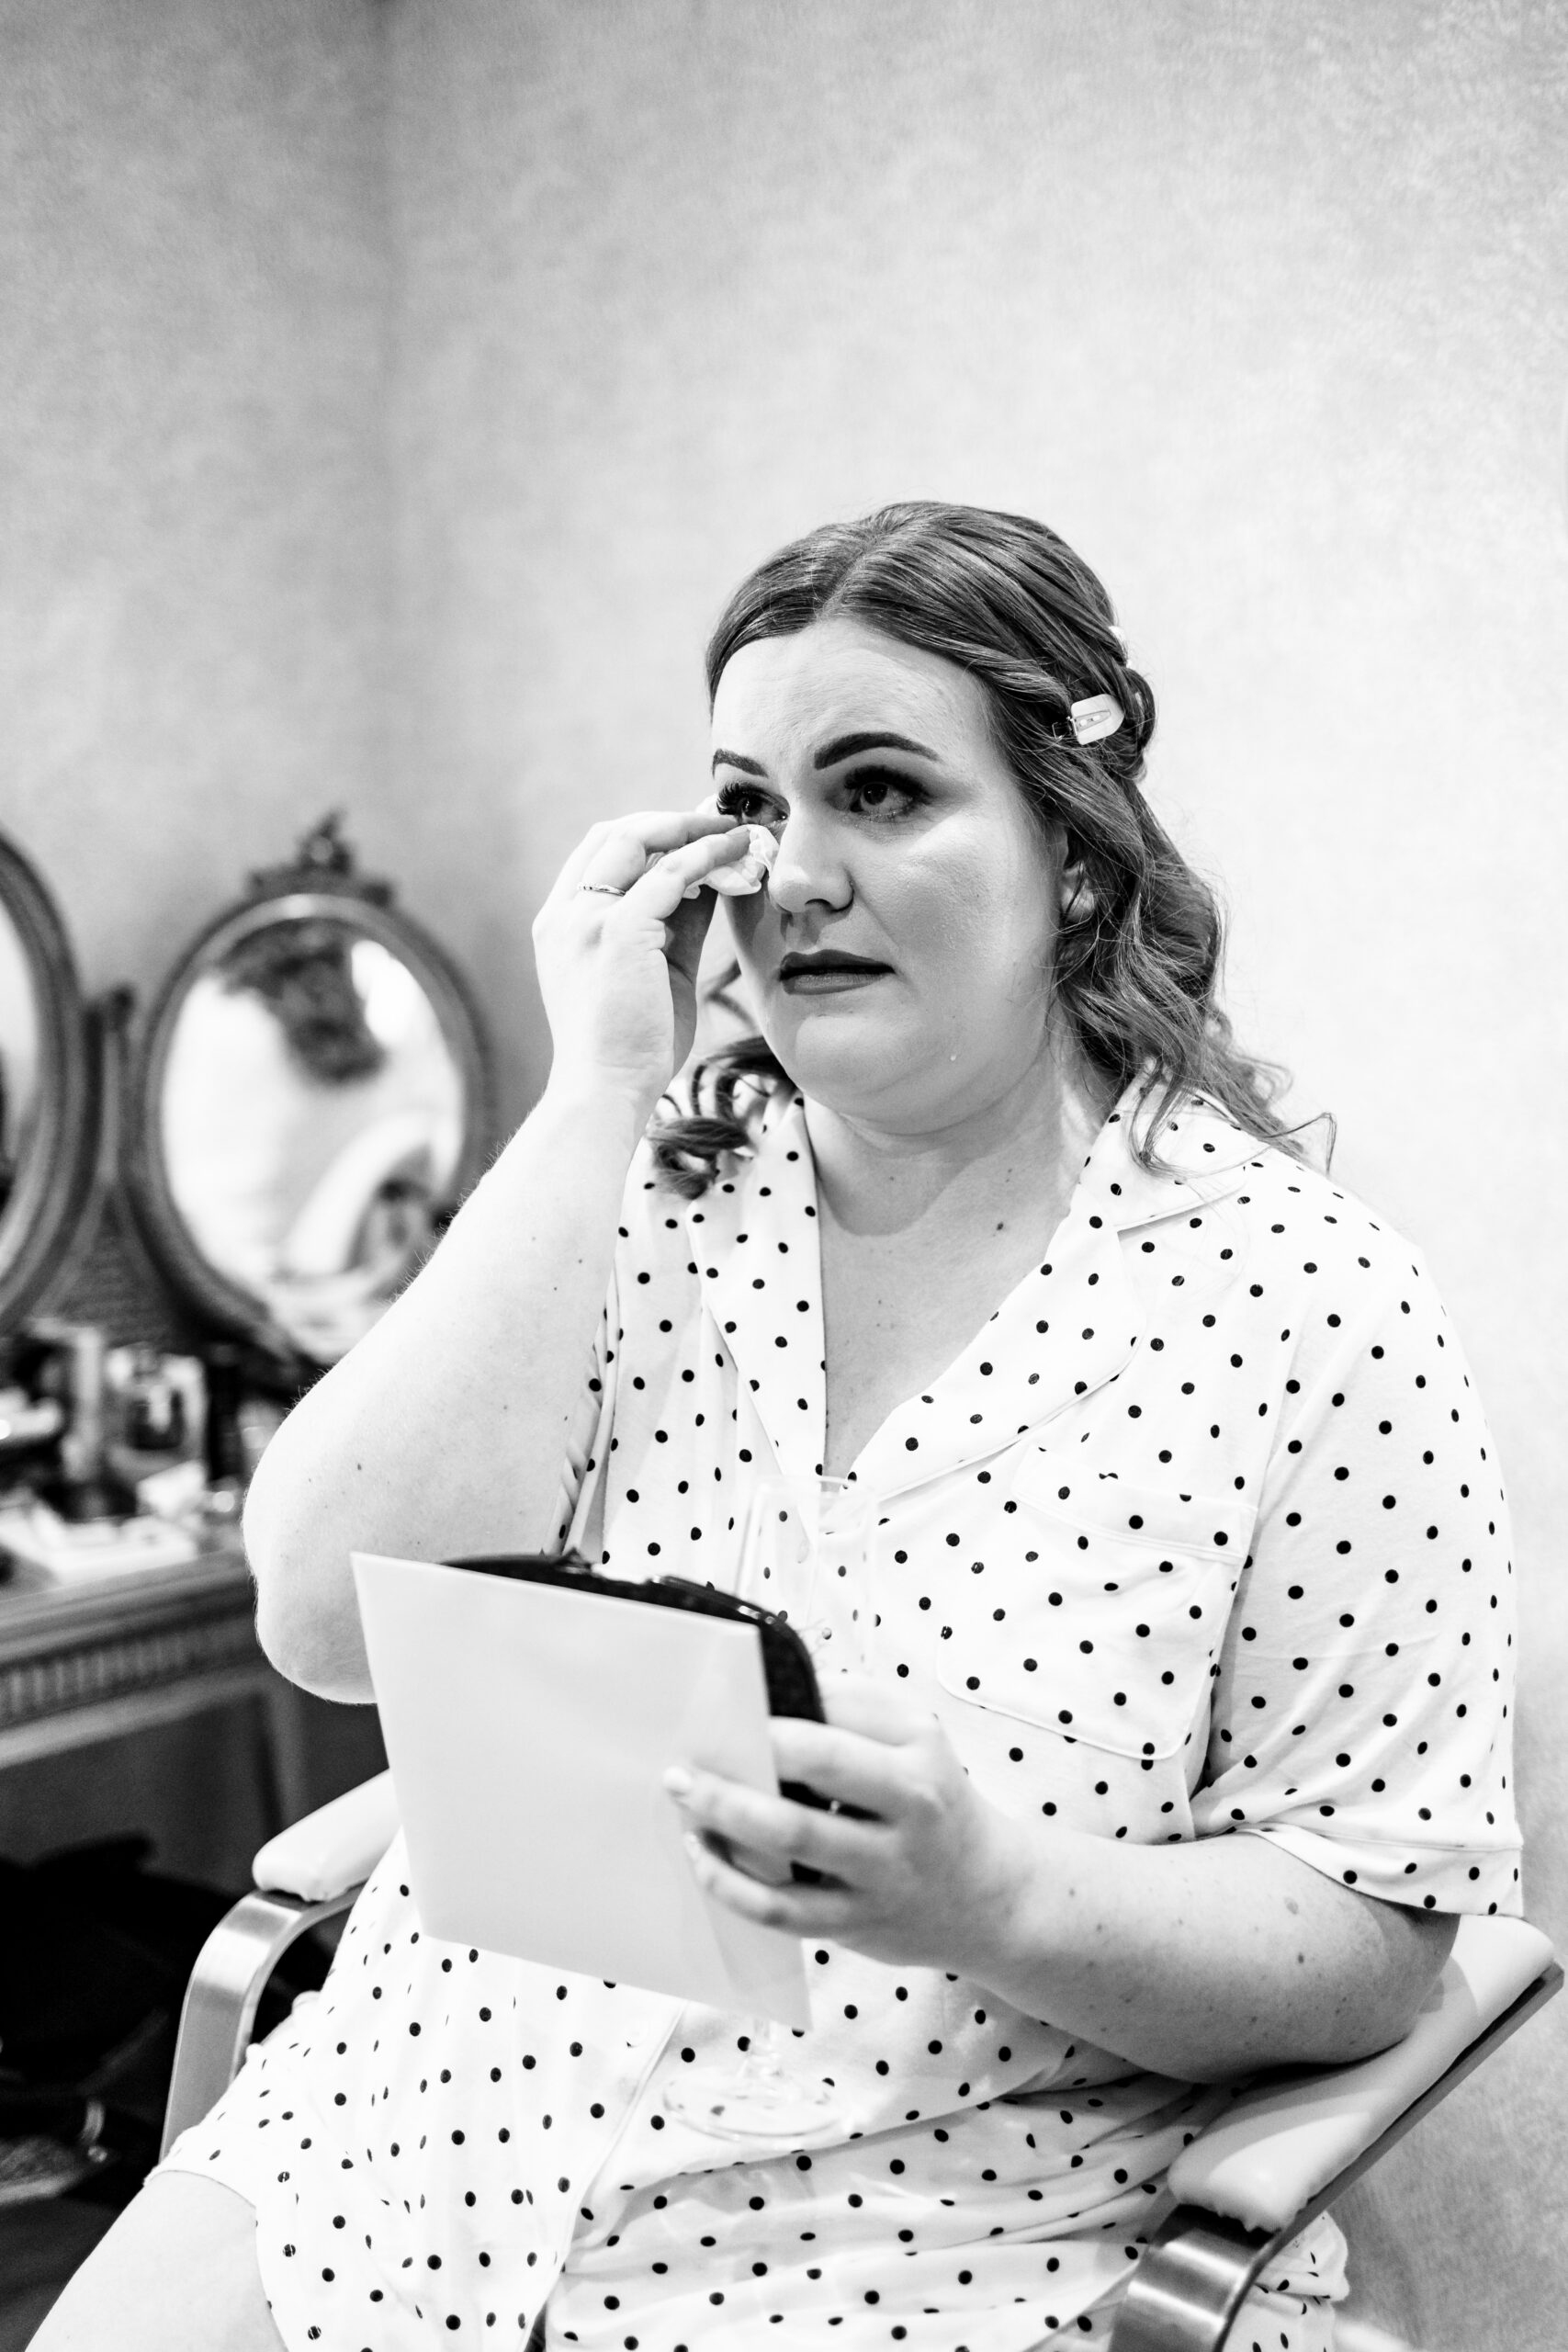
{"x":784,"y":816}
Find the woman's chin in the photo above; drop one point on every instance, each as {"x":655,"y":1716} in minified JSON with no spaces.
{"x":860,"y":1069}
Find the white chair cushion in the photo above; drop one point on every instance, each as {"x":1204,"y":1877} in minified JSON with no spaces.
{"x":1270,"y":2152}
{"x":332,"y":1848}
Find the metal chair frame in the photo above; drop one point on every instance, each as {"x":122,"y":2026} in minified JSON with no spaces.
{"x":1199,"y":2268}
{"x":223,"y":1994}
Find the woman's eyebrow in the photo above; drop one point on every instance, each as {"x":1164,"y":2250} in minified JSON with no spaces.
{"x":844,"y":747}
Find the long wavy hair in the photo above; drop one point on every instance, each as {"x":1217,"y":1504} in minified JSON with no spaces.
{"x":1139,"y":954}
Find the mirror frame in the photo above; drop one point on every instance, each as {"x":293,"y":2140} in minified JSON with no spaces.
{"x":321,"y":882}
{"x":56,"y":1179}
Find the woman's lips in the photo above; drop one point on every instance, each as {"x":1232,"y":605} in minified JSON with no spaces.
{"x":827,"y":975}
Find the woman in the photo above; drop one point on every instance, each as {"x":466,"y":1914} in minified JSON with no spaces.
{"x":1187,"y":1733}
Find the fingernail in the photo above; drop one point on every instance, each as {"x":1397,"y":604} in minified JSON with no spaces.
{"x":679,"y":1781}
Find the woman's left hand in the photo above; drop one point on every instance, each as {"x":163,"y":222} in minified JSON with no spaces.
{"x":1199,"y":1960}
{"x":925,"y":1878}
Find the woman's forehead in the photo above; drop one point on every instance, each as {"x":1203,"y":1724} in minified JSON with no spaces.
{"x":836,"y":678}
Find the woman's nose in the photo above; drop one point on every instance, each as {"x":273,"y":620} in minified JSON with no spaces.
{"x":809,"y":869}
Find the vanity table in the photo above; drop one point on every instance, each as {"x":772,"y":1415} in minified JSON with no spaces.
{"x":90,"y":1656}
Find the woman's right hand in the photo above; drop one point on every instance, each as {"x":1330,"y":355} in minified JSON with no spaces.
{"x":618,"y":974}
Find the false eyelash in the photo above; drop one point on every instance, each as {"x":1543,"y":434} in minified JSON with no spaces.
{"x":731,"y":801}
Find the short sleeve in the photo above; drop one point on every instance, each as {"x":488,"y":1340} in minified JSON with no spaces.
{"x":1363,"y":1714}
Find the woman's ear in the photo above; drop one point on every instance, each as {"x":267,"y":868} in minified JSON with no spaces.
{"x":1075,"y":894}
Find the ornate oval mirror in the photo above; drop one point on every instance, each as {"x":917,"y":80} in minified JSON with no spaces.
{"x":48,"y":1092}
{"x":312,"y":1100}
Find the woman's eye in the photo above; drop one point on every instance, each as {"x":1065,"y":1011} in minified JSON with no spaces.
{"x":878,"y":795}
{"x":883,"y":796}
{"x":744,"y":802}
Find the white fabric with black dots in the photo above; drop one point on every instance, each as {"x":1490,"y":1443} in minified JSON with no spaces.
{"x":1201,"y":1533}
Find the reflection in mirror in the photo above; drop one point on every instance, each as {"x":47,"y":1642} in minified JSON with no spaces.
{"x":314,"y":1104}
{"x":312,"y":1119}
{"x":49,"y":1093}
{"x":19,"y":1050}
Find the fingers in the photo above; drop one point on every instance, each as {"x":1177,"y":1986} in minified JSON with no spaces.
{"x":679,"y":874}
{"x":872,"y":1776}
{"x":797,"y":1910}
{"x":615,"y":853}
{"x":773,"y":1829}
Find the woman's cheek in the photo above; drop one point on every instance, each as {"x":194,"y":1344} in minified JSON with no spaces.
{"x":751,"y":924}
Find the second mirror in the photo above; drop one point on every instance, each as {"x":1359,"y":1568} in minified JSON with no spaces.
{"x":313,"y":1101}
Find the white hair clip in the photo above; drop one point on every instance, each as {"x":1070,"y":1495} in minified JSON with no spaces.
{"x":1095,"y":716}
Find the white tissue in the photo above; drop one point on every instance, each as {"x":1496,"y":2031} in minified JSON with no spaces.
{"x":748,"y":874}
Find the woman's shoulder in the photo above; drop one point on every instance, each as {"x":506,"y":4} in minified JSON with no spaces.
{"x":1271,"y":1230}
{"x":1325,"y":1228}
{"x":1286,"y":1192}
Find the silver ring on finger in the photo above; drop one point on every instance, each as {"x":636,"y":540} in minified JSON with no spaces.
{"x":602,"y":889}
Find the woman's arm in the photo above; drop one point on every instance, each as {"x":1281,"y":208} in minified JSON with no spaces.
{"x":1211,"y":1959}
{"x":444,"y":1429}
{"x":1198,"y":1961}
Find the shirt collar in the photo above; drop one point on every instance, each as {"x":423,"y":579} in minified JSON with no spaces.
{"x":1204,"y":1154}
{"x":754,"y":1244}
{"x":1068,"y":1328}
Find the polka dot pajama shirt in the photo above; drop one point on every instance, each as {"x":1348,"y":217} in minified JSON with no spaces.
{"x":1200,"y":1535}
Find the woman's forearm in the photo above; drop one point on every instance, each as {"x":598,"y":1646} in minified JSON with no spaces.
{"x":1207,"y":1960}
{"x":1198,"y":1961}
{"x":445,"y":1430}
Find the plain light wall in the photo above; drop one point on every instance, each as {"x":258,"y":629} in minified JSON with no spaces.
{"x":1263,"y":306}
{"x":193,"y":498}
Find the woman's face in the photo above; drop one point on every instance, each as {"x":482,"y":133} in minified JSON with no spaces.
{"x":900,"y":956}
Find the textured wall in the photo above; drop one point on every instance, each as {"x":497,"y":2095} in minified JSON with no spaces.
{"x":193,"y":310}
{"x":1264,"y":307}
{"x":192,"y":510}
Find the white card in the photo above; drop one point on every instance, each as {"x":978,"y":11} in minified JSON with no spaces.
{"x":528,"y":1729}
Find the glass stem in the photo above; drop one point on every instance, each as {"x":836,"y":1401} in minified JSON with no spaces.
{"x":763,"y":2061}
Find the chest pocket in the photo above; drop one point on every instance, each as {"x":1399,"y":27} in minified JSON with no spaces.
{"x":1118,"y":1599}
